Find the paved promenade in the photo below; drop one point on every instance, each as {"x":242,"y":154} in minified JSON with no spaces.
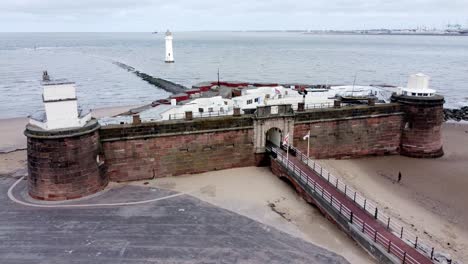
{"x":180,"y":229}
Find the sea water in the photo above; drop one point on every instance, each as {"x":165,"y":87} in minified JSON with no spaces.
{"x":284,"y":57}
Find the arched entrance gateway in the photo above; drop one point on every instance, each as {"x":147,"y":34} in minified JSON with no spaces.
{"x":274,"y":136}
{"x":272,"y":123}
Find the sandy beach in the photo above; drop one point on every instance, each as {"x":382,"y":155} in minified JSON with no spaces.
{"x":431,"y":197}
{"x":258,"y":194}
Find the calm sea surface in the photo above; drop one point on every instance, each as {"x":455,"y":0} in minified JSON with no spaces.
{"x":86,"y":58}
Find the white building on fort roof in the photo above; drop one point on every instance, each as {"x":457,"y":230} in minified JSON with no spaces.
{"x":200,"y":107}
{"x":249,"y":100}
{"x":61,"y":106}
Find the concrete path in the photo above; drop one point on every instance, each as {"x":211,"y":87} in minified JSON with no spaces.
{"x":181,"y":229}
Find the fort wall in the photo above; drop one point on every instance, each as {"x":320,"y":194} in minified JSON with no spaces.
{"x":71,"y":163}
{"x":160,"y":149}
{"x":350,"y":132}
{"x":144,"y":151}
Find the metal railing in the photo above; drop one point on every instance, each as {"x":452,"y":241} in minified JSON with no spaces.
{"x":320,"y":106}
{"x":370,"y":207}
{"x":313,"y":106}
{"x":200,"y":115}
{"x":348,"y":214}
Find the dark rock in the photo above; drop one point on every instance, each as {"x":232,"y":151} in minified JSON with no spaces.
{"x":456,"y":114}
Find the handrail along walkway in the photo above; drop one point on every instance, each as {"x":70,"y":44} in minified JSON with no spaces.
{"x":369,"y":206}
{"x":355,"y":215}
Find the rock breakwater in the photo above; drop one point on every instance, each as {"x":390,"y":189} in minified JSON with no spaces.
{"x":166,"y":85}
{"x":458,"y":115}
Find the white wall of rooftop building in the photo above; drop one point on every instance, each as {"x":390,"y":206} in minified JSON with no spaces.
{"x":59,"y":92}
{"x":62,"y":114}
{"x":418,"y":81}
{"x":203,"y":106}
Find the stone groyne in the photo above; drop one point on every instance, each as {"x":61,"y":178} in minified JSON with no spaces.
{"x":166,"y":85}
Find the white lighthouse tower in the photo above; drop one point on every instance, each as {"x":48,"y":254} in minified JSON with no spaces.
{"x":169,"y":51}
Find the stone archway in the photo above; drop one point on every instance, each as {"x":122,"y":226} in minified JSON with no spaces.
{"x":274,"y":135}
{"x":261,"y":127}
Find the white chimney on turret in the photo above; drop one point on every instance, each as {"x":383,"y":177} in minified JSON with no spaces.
{"x":169,"y":50}
{"x":418,"y":86}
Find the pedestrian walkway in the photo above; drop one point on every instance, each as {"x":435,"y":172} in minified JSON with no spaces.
{"x":384,"y":238}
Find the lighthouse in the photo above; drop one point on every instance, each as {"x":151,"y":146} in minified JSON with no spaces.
{"x":169,"y":51}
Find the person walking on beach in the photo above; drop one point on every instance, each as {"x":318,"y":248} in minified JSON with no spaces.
{"x":399,"y":176}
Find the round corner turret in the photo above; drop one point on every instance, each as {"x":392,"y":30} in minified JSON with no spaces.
{"x":421,"y":133}
{"x":64,"y":164}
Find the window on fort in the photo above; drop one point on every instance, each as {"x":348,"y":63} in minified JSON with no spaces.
{"x":200,"y":110}
{"x":210,"y":109}
{"x":257,"y":100}
{"x":221,"y":110}
{"x":249,"y":101}
{"x":225,"y":102}
{"x":413,"y":94}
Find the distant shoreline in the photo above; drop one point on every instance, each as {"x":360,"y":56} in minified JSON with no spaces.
{"x":386,"y":34}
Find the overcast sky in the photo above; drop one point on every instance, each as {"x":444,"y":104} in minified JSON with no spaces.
{"x":182,"y":15}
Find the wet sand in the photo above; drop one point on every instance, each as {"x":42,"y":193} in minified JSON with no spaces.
{"x":432,"y":194}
